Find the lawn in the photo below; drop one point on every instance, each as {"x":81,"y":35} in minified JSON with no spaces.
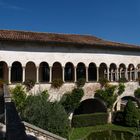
{"x":79,"y":133}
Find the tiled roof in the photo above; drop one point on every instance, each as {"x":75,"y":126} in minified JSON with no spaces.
{"x":60,"y":38}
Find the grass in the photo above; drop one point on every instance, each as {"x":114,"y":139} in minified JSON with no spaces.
{"x":80,"y":133}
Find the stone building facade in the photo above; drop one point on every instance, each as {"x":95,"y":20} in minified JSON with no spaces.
{"x":44,"y":57}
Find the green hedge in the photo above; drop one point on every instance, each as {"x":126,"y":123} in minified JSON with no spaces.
{"x":85,"y":120}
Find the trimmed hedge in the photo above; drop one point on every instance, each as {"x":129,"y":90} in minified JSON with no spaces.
{"x":85,"y":120}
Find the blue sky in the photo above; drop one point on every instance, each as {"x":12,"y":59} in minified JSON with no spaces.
{"x":116,"y":20}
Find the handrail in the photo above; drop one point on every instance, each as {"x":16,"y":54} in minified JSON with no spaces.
{"x":41,"y":132}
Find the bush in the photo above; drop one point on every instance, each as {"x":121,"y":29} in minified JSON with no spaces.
{"x":81,"y":82}
{"x":46,"y":115}
{"x":19,"y":97}
{"x":71,"y":100}
{"x":131,"y":114}
{"x":137,"y":93}
{"x":57,"y":83}
{"x":85,"y":120}
{"x":29,"y":84}
{"x":103,"y":82}
{"x":121,"y":88}
{"x":118,"y":118}
{"x":122,"y":80}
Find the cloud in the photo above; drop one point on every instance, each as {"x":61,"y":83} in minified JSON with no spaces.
{"x":10,"y":6}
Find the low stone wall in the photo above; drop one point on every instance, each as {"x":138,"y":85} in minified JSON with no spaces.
{"x":41,"y":134}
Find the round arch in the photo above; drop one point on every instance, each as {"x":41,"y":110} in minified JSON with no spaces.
{"x":113,"y":72}
{"x":90,"y":106}
{"x":16,"y":72}
{"x":122,"y":70}
{"x":69,"y":72}
{"x":30,"y":71}
{"x":92,"y":72}
{"x":57,"y":71}
{"x":131,"y":72}
{"x":44,"y":72}
{"x":103,"y":70}
{"x":81,"y":71}
{"x":3,"y":71}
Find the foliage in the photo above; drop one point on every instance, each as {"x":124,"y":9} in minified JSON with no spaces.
{"x":29,"y":84}
{"x":57,"y":83}
{"x":46,"y":115}
{"x":85,"y":120}
{"x":131,"y":114}
{"x":19,"y":97}
{"x":107,"y":94}
{"x":137,"y":93}
{"x":122,"y":80}
{"x":121,"y":88}
{"x":103,"y":82}
{"x":83,"y":132}
{"x":81,"y":82}
{"x":118,"y":118}
{"x":71,"y":100}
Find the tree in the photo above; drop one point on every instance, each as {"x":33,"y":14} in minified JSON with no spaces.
{"x":109,"y":94}
{"x":19,"y":97}
{"x":47,"y":115}
{"x":137,"y":93}
{"x":71,"y":100}
{"x":131,"y":114}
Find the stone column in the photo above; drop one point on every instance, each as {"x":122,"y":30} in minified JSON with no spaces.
{"x":75,"y":74}
{"x":23,"y":75}
{"x":117,"y":74}
{"x":37,"y":74}
{"x":136,"y":74}
{"x":130,"y":74}
{"x":86,"y":74}
{"x":50,"y":80}
{"x":111,"y":75}
{"x":108,"y":73}
{"x":9,"y":75}
{"x":63,"y":74}
{"x":126,"y":74}
{"x":97,"y":74}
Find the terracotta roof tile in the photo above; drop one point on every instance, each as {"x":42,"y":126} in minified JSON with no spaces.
{"x":60,"y":38}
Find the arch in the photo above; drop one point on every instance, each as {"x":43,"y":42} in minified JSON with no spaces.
{"x":90,"y":106}
{"x":125,"y":99}
{"x":122,"y":70}
{"x":81,"y":71}
{"x":131,"y":72}
{"x":57,"y":71}
{"x":69,"y":72}
{"x":3,"y":71}
{"x":138,"y":71}
{"x":103,"y":70}
{"x":92,"y":72}
{"x":113,"y":72}
{"x":16,"y":72}
{"x":44,"y":72}
{"x":30,"y":71}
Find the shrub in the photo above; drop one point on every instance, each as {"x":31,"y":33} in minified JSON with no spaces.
{"x":81,"y":82}
{"x":122,"y":80}
{"x":121,"y":88}
{"x":29,"y":84}
{"x":57,"y":83}
{"x":71,"y":100}
{"x":85,"y":120}
{"x":107,"y":95}
{"x":19,"y":97}
{"x":131,"y":114}
{"x":103,"y":82}
{"x":46,"y":115}
{"x":118,"y":118}
{"x":137,"y":93}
